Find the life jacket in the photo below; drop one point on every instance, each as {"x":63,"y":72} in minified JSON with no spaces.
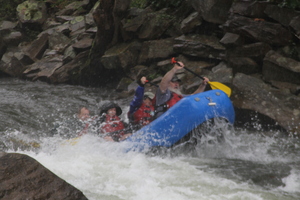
{"x":168,"y":104}
{"x":143,"y":115}
{"x":84,"y":130}
{"x":112,"y":124}
{"x":174,"y":99}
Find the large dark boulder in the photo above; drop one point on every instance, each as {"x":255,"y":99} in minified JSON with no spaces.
{"x":214,"y":11}
{"x":22,"y":177}
{"x":281,"y":68}
{"x":199,"y":46}
{"x":253,"y":94}
{"x":258,"y":30}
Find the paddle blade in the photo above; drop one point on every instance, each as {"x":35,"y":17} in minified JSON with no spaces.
{"x":220,"y":86}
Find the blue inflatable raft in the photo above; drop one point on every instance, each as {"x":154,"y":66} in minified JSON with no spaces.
{"x":182,"y":118}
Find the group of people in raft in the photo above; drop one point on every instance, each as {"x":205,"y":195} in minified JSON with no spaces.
{"x":144,"y":108}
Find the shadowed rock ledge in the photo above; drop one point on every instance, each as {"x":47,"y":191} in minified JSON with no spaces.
{"x":22,"y":177}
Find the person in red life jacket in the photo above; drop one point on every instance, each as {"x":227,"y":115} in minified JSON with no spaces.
{"x":168,"y":92}
{"x":141,"y":110}
{"x":111,"y":124}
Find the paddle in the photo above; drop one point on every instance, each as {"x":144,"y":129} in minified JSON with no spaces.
{"x":213,"y":85}
{"x":152,"y":83}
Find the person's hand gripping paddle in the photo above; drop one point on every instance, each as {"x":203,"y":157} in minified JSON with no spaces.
{"x":213,"y":85}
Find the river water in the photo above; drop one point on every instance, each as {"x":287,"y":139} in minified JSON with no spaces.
{"x":247,"y":165}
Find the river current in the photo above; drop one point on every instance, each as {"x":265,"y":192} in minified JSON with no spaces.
{"x":35,"y":120}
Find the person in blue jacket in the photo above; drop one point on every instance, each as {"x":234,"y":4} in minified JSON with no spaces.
{"x":141,"y":110}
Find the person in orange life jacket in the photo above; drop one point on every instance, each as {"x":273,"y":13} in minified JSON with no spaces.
{"x":141,"y":110}
{"x":111,"y":122}
{"x":168,"y":92}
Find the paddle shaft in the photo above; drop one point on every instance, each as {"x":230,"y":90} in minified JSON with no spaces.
{"x":214,"y":85}
{"x":187,"y":69}
{"x":152,"y":83}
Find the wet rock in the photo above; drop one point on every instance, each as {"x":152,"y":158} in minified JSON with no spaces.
{"x":83,"y":45}
{"x":37,"y":48}
{"x":214,"y":11}
{"x":22,"y":177}
{"x":50,"y":23}
{"x":90,"y":23}
{"x":3,"y":48}
{"x":222,"y":73}
{"x":253,"y":94}
{"x":44,"y":68}
{"x":14,"y":62}
{"x":69,"y":54}
{"x":64,"y":28}
{"x":268,"y":176}
{"x":255,"y":121}
{"x":71,"y":71}
{"x":255,"y":51}
{"x":243,"y":65}
{"x":280,"y":68}
{"x":13,"y":68}
{"x":64,"y":18}
{"x":155,"y":25}
{"x":121,"y":56}
{"x":295,"y":24}
{"x":72,"y":7}
{"x":250,"y":9}
{"x":232,"y":40}
{"x":123,"y":84}
{"x":58,"y":42}
{"x":189,"y":23}
{"x":155,"y":49}
{"x":13,"y":38}
{"x":6,"y":27}
{"x":138,"y":17}
{"x":292,"y":88}
{"x":283,"y":15}
{"x":18,"y":54}
{"x":258,"y":30}
{"x":77,"y":24}
{"x":199,"y":45}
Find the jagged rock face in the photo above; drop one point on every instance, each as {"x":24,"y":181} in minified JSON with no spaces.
{"x":279,"y":68}
{"x":253,"y":94}
{"x":22,"y":177}
{"x":215,"y":11}
{"x":262,"y":31}
{"x":88,"y":41}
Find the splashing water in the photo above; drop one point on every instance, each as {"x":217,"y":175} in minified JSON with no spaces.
{"x":244,"y":165}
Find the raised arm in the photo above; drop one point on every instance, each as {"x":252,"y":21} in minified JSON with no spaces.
{"x":138,"y":97}
{"x":164,"y":84}
{"x":202,"y":86}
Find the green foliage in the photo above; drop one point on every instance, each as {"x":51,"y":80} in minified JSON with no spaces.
{"x":152,"y":76}
{"x":59,"y":4}
{"x":159,"y":4}
{"x":30,"y":33}
{"x":8,"y":9}
{"x":139,"y":3}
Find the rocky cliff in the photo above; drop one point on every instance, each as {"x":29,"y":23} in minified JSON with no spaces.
{"x":251,"y":46}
